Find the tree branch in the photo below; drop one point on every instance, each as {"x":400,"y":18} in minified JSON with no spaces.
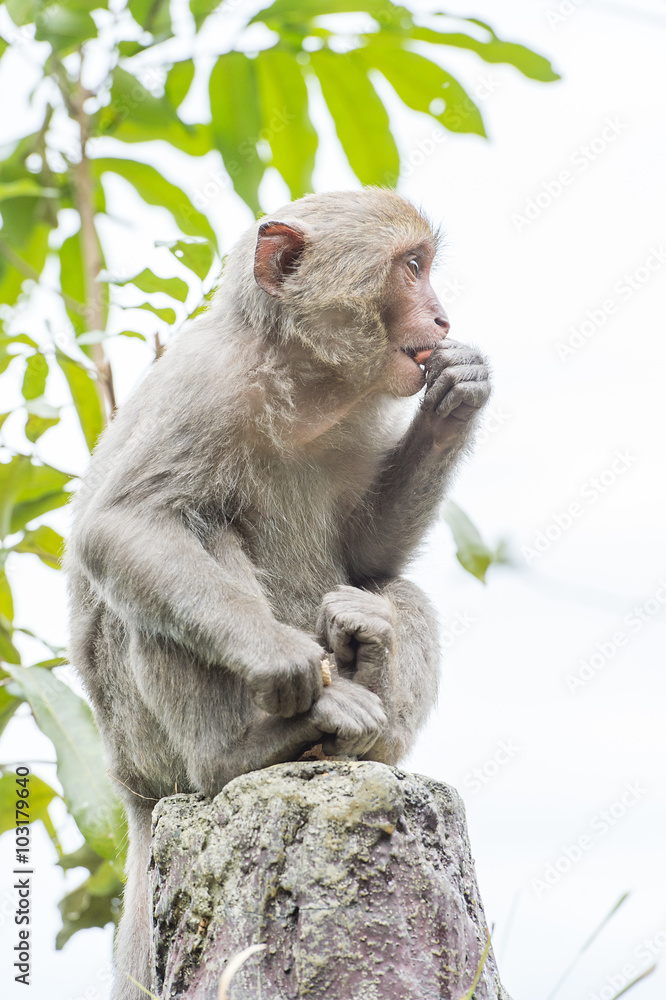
{"x":84,"y":197}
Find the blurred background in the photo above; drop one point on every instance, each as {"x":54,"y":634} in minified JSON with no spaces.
{"x":551,"y":713}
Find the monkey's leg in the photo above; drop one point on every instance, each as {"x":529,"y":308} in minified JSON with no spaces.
{"x":386,"y":640}
{"x":218,"y":732}
{"x":211,"y":720}
{"x":133,"y":946}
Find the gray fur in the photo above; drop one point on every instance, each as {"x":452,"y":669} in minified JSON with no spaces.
{"x":250,"y":507}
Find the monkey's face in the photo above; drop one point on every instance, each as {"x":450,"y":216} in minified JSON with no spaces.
{"x":353,"y":289}
{"x":415,"y":321}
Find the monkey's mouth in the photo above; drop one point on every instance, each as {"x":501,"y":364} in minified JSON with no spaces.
{"x":420,"y":355}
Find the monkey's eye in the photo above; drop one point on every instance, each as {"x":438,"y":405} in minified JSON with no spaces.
{"x":413,"y":266}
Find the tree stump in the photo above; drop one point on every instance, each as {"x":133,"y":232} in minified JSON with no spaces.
{"x":358,"y":877}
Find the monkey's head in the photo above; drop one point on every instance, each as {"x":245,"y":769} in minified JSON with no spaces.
{"x":345,"y":277}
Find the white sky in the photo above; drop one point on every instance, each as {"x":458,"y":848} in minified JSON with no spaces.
{"x":551,"y":761}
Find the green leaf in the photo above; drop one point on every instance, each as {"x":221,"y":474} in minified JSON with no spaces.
{"x":134,"y":115}
{"x":148,"y":282}
{"x":6,"y":342}
{"x":286,"y":122}
{"x":89,"y":906}
{"x":22,"y":11}
{"x":201,"y":9}
{"x":3,"y":417}
{"x":92,"y":337}
{"x":418,"y":81}
{"x":28,"y":490}
{"x":132,"y":333}
{"x":203,"y":305}
{"x":67,"y":721}
{"x":73,"y":282}
{"x":178,"y":81}
{"x":56,"y":650}
{"x":41,"y":796}
{"x":288,"y":12}
{"x":43,"y":542}
{"x":493,"y":50}
{"x":34,"y":380}
{"x":236,"y":114}
{"x":155,"y":190}
{"x":167,"y":315}
{"x":82,"y":857}
{"x":26,"y":187}
{"x":22,"y":254}
{"x":36,"y":426}
{"x":6,"y":599}
{"x":8,"y":705}
{"x":8,"y":651}
{"x":361,"y":120}
{"x":152,"y":16}
{"x":472,"y":553}
{"x":197,"y":255}
{"x":85,"y":397}
{"x":64,"y":27}
{"x":29,"y":11}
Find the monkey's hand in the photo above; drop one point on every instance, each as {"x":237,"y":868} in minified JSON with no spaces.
{"x":457,"y":387}
{"x":290,"y":679}
{"x":351,"y":715}
{"x":358,"y":627}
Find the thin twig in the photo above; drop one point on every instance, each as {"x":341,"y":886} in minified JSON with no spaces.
{"x":232,"y":968}
{"x":148,"y":798}
{"x":593,"y":936}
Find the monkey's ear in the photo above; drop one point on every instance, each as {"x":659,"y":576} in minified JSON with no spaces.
{"x":279,"y":248}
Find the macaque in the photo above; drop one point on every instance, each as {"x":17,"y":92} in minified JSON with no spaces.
{"x":250,"y":509}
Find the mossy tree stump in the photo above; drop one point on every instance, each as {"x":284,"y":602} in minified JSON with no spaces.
{"x":356,"y":876}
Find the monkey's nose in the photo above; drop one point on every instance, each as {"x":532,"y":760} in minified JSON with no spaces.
{"x":444,"y":323}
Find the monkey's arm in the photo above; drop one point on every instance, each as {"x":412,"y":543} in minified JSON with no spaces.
{"x":386,"y":640}
{"x":156,"y":575}
{"x":415,"y":475}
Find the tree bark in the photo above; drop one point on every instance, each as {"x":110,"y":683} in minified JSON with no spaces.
{"x":358,"y":877}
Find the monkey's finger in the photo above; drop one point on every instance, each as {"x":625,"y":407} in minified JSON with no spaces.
{"x":339,"y":641}
{"x":332,"y":637}
{"x":450,"y":377}
{"x":301,"y":691}
{"x":353,"y":745}
{"x":267,"y":701}
{"x":473,"y":394}
{"x":447,"y":355}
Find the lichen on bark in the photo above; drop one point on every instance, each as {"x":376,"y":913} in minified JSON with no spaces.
{"x":357,"y":876}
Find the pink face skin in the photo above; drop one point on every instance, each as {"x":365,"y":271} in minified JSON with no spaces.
{"x":415,"y":321}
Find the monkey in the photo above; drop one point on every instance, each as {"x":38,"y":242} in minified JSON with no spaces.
{"x":251,"y":508}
